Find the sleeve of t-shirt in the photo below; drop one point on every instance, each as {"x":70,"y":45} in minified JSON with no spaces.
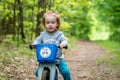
{"x":63,"y":40}
{"x":39,"y":39}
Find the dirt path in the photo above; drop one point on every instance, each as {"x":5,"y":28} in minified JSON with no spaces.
{"x":81,"y":61}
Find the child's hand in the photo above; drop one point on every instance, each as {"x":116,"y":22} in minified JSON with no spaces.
{"x":62,"y":45}
{"x":32,"y":46}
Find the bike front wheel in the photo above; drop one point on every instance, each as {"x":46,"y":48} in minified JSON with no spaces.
{"x":46,"y":75}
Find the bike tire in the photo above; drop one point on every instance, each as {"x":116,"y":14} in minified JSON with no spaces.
{"x":45,"y":75}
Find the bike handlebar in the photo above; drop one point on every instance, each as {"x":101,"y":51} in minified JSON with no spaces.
{"x":66,"y":47}
{"x":31,"y":46}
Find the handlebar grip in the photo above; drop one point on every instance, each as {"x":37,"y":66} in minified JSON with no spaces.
{"x":32,"y":46}
{"x":66,"y":47}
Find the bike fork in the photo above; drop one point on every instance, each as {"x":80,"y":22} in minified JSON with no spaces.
{"x":51,"y":67}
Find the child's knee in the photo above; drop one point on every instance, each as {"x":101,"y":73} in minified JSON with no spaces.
{"x":66,"y":76}
{"x":36,"y":72}
{"x":64,"y":72}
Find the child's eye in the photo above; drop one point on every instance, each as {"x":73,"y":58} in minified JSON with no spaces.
{"x":53,"y":22}
{"x":50,"y":22}
{"x":47,"y":22}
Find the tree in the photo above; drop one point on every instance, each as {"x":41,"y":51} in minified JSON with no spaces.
{"x":20,"y":17}
{"x":41,"y":8}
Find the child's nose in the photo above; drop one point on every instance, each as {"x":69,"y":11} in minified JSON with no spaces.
{"x":50,"y":24}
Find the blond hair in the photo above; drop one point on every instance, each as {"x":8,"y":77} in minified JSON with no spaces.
{"x":53,"y":13}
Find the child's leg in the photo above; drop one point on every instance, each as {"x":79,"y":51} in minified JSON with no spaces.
{"x":56,"y":75}
{"x":36,"y":72}
{"x":63,"y":69}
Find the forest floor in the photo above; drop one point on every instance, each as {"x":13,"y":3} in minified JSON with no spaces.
{"x":83,"y":61}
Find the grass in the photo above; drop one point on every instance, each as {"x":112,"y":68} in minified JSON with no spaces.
{"x":11,"y":54}
{"x":71,"y":42}
{"x":112,"y":48}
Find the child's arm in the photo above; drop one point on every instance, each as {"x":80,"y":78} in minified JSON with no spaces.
{"x":63,"y":41}
{"x":38,"y":40}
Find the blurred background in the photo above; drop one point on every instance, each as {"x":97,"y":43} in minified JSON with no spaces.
{"x":83,"y":19}
{"x":96,"y":21}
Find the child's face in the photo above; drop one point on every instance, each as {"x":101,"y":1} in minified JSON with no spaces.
{"x":51,"y":23}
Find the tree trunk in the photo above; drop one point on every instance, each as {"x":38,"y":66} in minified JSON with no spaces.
{"x":20,"y":15}
{"x":14,"y":19}
{"x":41,"y":5}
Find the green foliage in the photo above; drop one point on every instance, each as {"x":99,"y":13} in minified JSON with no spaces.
{"x":71,"y":42}
{"x":9,"y":41}
{"x":93,"y":19}
{"x":106,"y":14}
{"x":112,"y":48}
{"x":74,"y":13}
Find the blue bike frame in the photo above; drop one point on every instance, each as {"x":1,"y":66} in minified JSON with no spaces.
{"x":46,"y":55}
